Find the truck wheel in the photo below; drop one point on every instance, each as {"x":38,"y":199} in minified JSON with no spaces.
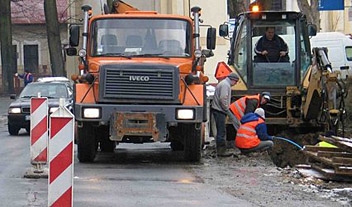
{"x":192,"y":142}
{"x":28,"y":129}
{"x":13,"y":130}
{"x":87,"y":144}
{"x":176,"y":146}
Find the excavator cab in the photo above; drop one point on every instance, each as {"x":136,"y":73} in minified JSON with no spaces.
{"x":271,"y":70}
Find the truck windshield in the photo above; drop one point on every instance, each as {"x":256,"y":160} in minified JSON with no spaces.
{"x":140,"y":37}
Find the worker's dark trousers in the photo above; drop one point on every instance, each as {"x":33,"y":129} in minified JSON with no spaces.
{"x":220,"y":122}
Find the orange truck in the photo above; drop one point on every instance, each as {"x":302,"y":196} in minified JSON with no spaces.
{"x":140,"y":79}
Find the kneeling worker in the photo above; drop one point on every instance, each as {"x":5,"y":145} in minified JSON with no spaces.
{"x":252,"y":136}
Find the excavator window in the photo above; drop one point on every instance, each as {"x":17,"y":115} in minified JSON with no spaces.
{"x":274,"y":70}
{"x":277,"y":74}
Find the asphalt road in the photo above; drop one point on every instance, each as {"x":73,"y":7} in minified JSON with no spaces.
{"x":135,"y":175}
{"x":153,"y":175}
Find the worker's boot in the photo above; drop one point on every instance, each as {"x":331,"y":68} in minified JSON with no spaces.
{"x":222,"y":151}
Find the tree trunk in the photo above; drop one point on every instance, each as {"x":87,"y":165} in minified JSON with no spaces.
{"x":54,"y":40}
{"x":311,"y":11}
{"x":8,"y":67}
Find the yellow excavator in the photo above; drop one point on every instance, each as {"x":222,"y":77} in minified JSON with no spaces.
{"x":306,"y":94}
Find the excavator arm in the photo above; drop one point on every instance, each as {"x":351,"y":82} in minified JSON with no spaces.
{"x":324,"y":92}
{"x":119,"y":7}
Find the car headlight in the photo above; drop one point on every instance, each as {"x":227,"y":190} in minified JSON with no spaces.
{"x":185,"y":114}
{"x":14,"y":110}
{"x":91,"y":113}
{"x":53,"y":109}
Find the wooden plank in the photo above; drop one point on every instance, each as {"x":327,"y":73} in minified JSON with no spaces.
{"x":334,"y":154}
{"x":344,"y":170}
{"x":342,"y":139}
{"x":314,"y":156}
{"x":342,"y":160}
{"x":346,"y":146}
{"x":322,"y":173}
{"x":317,"y":148}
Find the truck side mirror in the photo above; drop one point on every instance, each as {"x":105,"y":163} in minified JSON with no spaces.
{"x":211,"y":38}
{"x":312,"y":30}
{"x":74,"y":35}
{"x":223,"y":30}
{"x":71,"y":51}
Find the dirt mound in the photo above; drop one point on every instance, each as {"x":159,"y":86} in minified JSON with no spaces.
{"x":286,"y":154}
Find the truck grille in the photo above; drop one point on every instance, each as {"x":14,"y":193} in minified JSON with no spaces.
{"x":139,"y":83}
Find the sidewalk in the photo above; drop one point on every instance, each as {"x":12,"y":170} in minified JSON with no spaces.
{"x":4,"y":105}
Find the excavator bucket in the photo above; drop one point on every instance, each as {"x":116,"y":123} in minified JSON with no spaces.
{"x":222,"y":71}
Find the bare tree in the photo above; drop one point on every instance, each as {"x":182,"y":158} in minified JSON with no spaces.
{"x":235,"y":7}
{"x":54,"y":39}
{"x":7,"y":52}
{"x":311,"y":11}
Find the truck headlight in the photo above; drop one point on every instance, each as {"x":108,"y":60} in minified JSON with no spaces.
{"x":91,"y":113}
{"x":185,"y":114}
{"x":14,"y":110}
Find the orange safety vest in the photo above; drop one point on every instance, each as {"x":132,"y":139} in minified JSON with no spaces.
{"x":239,"y":106}
{"x":247,"y":137}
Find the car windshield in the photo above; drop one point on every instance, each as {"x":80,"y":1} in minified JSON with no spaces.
{"x":50,"y":90}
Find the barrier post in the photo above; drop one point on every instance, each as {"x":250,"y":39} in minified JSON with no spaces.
{"x":61,"y":152}
{"x":38,"y":136}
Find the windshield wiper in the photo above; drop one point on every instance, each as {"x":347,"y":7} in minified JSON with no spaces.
{"x":150,"y":55}
{"x":114,"y":55}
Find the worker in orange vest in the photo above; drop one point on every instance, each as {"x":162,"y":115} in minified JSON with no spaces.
{"x":247,"y":104}
{"x":252,"y":135}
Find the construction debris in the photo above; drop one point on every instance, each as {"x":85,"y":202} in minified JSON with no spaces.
{"x":331,"y":163}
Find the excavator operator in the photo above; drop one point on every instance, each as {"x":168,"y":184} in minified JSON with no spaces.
{"x":271,"y":48}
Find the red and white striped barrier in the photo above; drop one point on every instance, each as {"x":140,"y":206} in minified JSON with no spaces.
{"x":60,"y":191}
{"x":39,"y":130}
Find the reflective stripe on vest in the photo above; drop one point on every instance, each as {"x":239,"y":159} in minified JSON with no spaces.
{"x":239,"y":106}
{"x":28,"y":76}
{"x":247,"y":137}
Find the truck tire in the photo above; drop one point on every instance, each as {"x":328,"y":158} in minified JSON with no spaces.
{"x":87,"y":144}
{"x":176,"y":146}
{"x":192,"y":142}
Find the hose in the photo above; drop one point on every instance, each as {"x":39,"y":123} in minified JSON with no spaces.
{"x":289,"y":141}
